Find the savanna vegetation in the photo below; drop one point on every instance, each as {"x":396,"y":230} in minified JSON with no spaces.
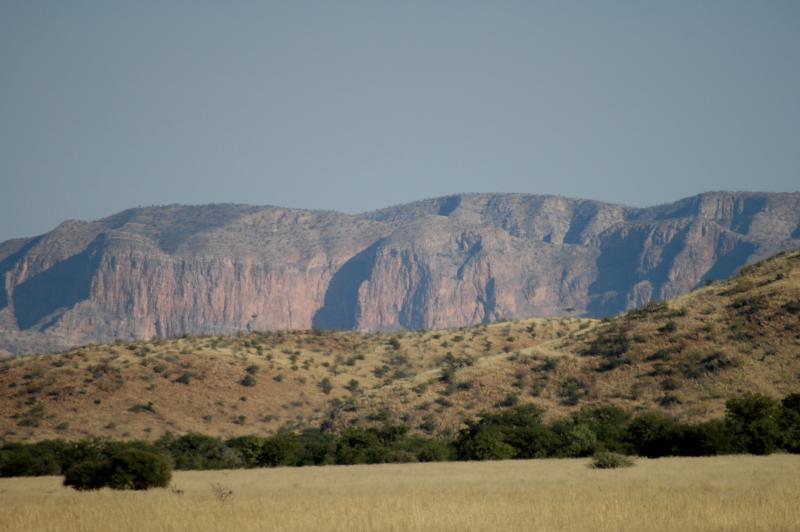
{"x":697,"y":376}
{"x":686,"y":357}
{"x":754,"y":424}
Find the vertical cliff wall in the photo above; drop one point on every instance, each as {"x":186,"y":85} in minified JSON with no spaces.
{"x":166,"y":271}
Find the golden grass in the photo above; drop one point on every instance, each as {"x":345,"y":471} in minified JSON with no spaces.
{"x":682,"y":494}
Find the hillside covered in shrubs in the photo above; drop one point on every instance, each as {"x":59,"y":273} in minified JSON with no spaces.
{"x":685,"y":357}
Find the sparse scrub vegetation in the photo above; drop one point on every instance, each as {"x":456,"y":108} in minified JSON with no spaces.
{"x":609,"y":460}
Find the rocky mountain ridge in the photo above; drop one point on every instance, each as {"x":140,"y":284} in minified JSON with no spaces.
{"x":437,"y":263}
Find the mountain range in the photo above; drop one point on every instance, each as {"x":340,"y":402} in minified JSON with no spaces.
{"x":438,"y":263}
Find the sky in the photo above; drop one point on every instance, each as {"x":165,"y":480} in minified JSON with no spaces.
{"x":354,"y":106}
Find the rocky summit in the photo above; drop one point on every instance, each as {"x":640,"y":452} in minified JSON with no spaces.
{"x":438,"y":263}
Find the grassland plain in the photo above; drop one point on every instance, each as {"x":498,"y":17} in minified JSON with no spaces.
{"x":729,"y":493}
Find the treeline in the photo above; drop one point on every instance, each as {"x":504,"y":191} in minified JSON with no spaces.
{"x":752,"y":424}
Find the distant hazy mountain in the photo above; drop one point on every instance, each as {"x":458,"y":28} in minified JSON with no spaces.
{"x":452,"y":261}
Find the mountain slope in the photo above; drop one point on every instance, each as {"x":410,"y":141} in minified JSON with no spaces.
{"x":446,"y":262}
{"x":687,"y":355}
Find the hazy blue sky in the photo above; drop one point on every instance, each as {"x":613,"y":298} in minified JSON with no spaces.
{"x":358,"y":105}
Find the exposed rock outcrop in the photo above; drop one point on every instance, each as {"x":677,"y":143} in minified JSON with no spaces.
{"x":464,"y":259}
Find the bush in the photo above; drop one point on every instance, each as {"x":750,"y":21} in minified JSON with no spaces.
{"x":352,"y":386}
{"x":198,"y":451}
{"x":282,"y":449}
{"x":137,"y":469}
{"x":318,"y":447}
{"x":508,"y":401}
{"x":609,"y":344}
{"x":654,"y":434}
{"x":185,"y":378}
{"x":573,"y":439}
{"x":514,"y":433}
{"x":789,"y":422}
{"x":705,"y":439}
{"x":325,"y":385}
{"x":128,"y":468}
{"x":668,"y":327}
{"x":428,"y":450}
{"x":753,"y":423}
{"x":248,"y":448}
{"x":609,"y":460}
{"x":17,"y":460}
{"x":609,"y":423}
{"x":87,"y":475}
{"x":360,"y":446}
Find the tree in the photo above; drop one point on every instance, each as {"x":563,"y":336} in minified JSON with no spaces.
{"x":129,"y":466}
{"x":137,"y":469}
{"x":249,"y":449}
{"x":360,"y":446}
{"x":654,"y":434}
{"x":752,"y":421}
{"x":282,"y":449}
{"x":198,"y":451}
{"x":789,"y":422}
{"x":514,"y":433}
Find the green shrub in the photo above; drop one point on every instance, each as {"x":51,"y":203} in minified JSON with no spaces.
{"x":318,"y":447}
{"x":282,"y":449}
{"x":753,"y":423}
{"x":573,"y":439}
{"x":248,"y":448}
{"x":325,"y":385}
{"x":609,"y":344}
{"x":198,"y":451}
{"x":128,"y":468}
{"x":717,"y":361}
{"x":508,"y":401}
{"x":514,"y":433}
{"x":139,"y":470}
{"x":18,"y":460}
{"x":609,"y":460}
{"x":789,"y":422}
{"x":654,"y":434}
{"x":612,"y":364}
{"x":549,"y":364}
{"x":428,"y":449}
{"x":571,"y":391}
{"x":185,"y":377}
{"x":609,"y":424}
{"x":88,"y":475}
{"x":360,"y":446}
{"x":668,"y":327}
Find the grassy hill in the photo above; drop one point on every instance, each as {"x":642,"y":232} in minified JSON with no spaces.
{"x":687,"y":356}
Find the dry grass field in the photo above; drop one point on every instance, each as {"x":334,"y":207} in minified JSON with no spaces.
{"x":745,"y":493}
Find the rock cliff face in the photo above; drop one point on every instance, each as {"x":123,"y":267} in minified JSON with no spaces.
{"x":452,"y":261}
